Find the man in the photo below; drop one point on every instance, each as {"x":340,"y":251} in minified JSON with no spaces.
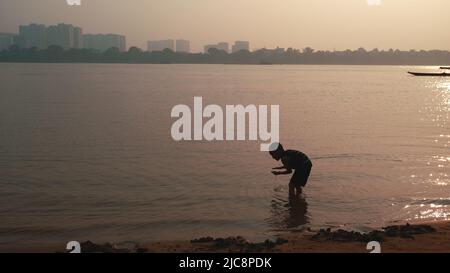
{"x":292,"y":160}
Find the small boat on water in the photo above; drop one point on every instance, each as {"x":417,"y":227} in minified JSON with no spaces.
{"x":439,"y":74}
{"x":443,"y":74}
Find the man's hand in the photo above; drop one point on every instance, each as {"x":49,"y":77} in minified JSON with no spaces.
{"x":288,"y":171}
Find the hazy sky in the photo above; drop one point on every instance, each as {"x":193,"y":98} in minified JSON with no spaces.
{"x":321,"y":24}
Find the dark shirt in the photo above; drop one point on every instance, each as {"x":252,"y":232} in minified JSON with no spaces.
{"x":295,"y":160}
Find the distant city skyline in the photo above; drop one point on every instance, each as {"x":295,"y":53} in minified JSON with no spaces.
{"x":69,"y":36}
{"x":320,"y":24}
{"x":64,"y":35}
{"x":42,"y":36}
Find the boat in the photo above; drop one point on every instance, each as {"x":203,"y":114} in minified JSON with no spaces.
{"x":443,"y":74}
{"x":445,"y":67}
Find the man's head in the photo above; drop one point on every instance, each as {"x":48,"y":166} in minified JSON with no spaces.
{"x":276,"y":150}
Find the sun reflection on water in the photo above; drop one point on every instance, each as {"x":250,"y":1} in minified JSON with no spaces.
{"x":429,"y":209}
{"x":434,"y":172}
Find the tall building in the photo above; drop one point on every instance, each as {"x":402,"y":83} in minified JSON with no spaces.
{"x":33,"y":35}
{"x":64,"y":35}
{"x":6,"y":40}
{"x":240,"y":45}
{"x":77,"y":38}
{"x":224,"y":46}
{"x":40,"y":36}
{"x":161,"y":45}
{"x":183,"y":46}
{"x":17,"y":40}
{"x":103,"y":42}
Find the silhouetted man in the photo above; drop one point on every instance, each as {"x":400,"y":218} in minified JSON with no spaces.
{"x":292,"y":160}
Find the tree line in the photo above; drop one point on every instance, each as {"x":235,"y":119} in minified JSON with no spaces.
{"x":361,"y":56}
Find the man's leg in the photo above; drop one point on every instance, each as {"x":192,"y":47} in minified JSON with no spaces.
{"x":306,"y":174}
{"x":295,"y":184}
{"x":291,"y":191}
{"x":298,"y":190}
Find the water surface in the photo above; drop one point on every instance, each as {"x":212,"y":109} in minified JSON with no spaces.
{"x":86,"y":151}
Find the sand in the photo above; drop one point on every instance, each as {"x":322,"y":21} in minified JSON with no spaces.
{"x":437,"y":241}
{"x":418,"y":238}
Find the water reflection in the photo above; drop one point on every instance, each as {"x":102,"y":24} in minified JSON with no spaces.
{"x":442,"y":116}
{"x":443,"y":103}
{"x":289,"y":214}
{"x":435,"y":172}
{"x":429,"y":209}
{"x":297,"y":212}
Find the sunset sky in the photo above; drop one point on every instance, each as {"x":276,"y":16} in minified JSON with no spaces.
{"x":321,"y":24}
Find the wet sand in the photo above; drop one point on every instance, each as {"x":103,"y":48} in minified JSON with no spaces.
{"x":418,"y":238}
{"x":434,"y":239}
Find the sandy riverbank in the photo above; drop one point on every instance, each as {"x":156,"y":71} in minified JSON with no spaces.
{"x":418,"y":238}
{"x":426,"y":238}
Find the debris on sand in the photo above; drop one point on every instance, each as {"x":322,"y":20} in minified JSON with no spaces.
{"x":406,"y":231}
{"x":90,"y":247}
{"x":203,"y":240}
{"x":141,"y":250}
{"x":239,"y":244}
{"x":348,"y":236}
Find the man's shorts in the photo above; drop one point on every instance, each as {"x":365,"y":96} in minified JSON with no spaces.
{"x":301,"y":175}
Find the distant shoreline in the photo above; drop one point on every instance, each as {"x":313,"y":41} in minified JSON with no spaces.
{"x":57,"y":54}
{"x":240,"y":64}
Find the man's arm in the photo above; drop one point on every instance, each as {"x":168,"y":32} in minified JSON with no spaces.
{"x":288,"y":171}
{"x":279,"y":168}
